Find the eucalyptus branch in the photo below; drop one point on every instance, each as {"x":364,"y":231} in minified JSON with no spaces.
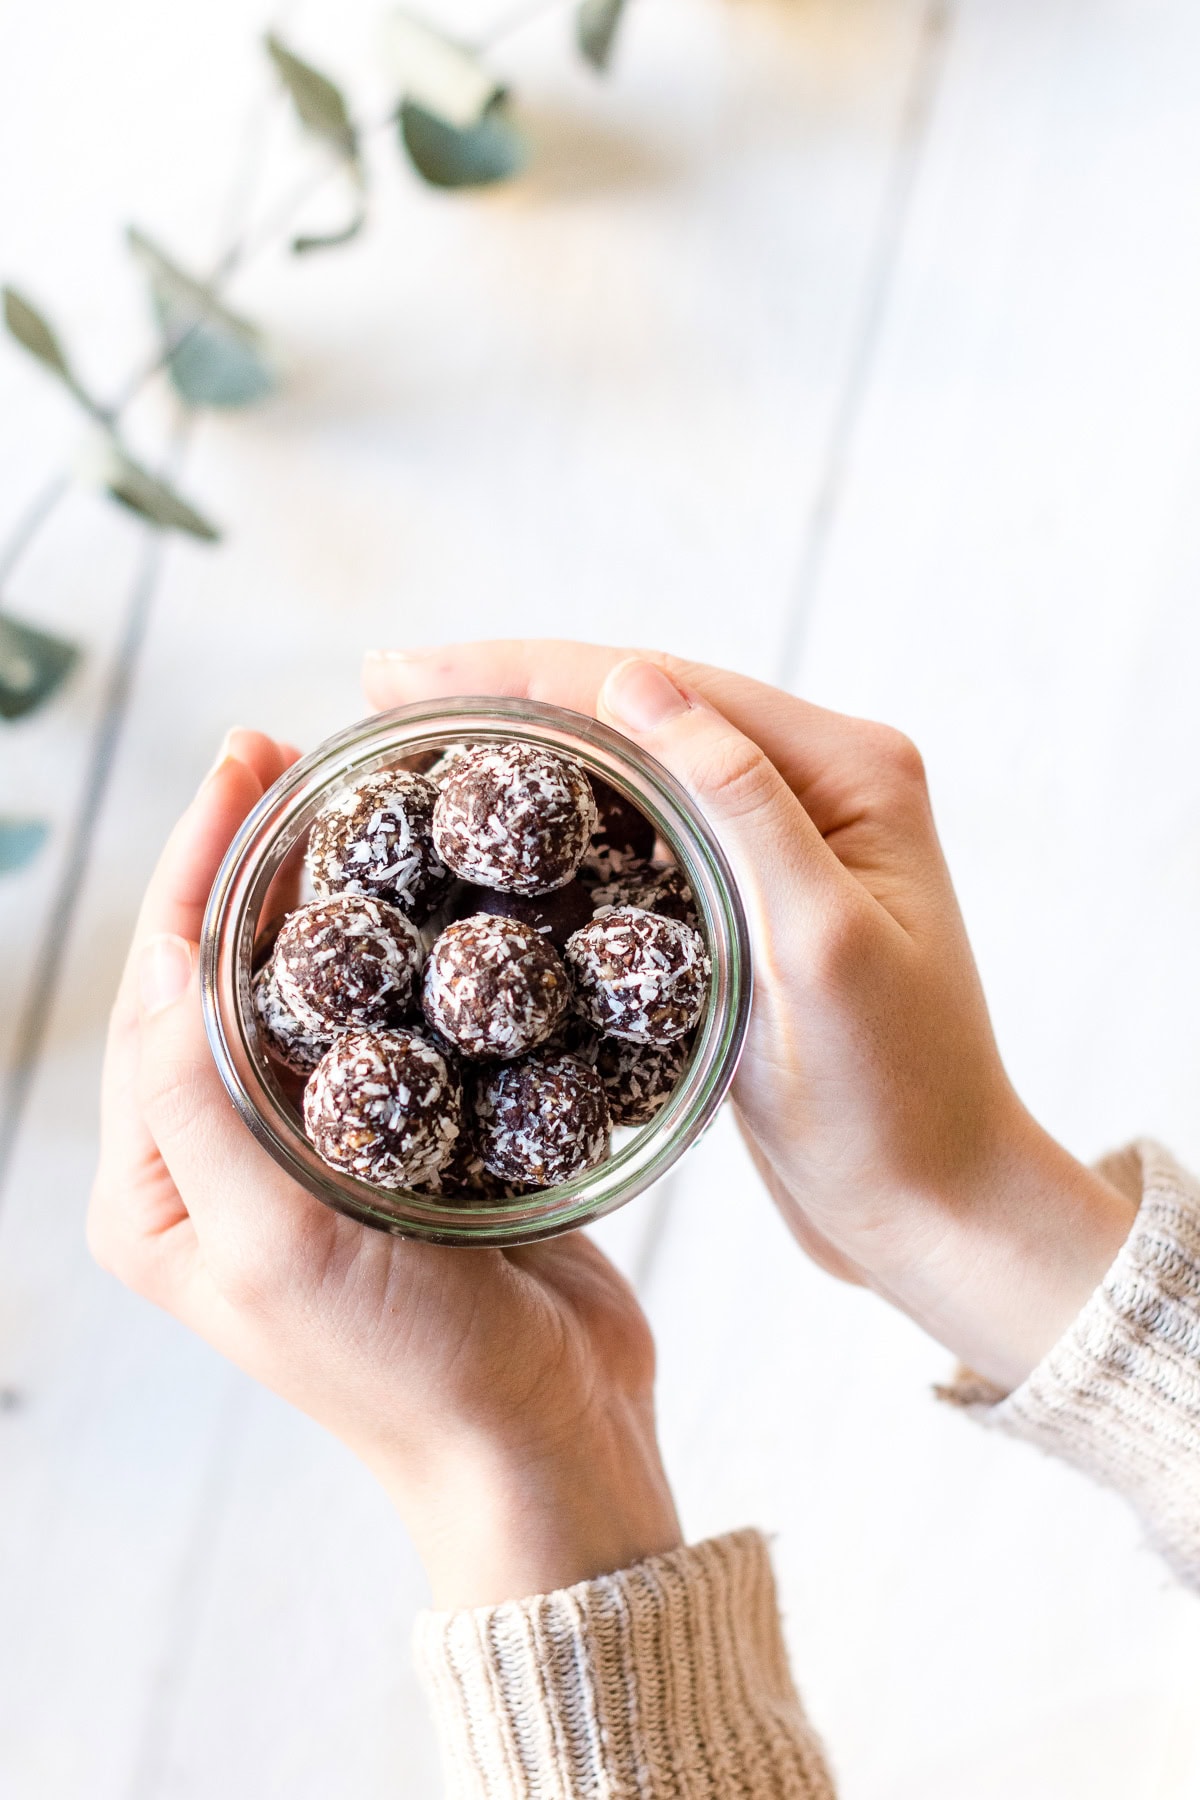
{"x":232,"y":261}
{"x":453,"y":121}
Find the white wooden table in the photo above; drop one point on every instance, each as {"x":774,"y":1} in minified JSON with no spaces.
{"x":855,"y":343}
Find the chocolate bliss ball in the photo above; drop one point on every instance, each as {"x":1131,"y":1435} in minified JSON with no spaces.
{"x":515,"y":817}
{"x":574,"y":1037}
{"x":376,"y":839}
{"x":347,"y":961}
{"x":463,"y":1176}
{"x":623,"y":834}
{"x":542,"y":1119}
{"x":280,"y":1031}
{"x":638,"y":1078}
{"x":656,"y":887}
{"x":493,"y":986}
{"x":638,"y":975}
{"x":446,"y":761}
{"x":383,"y":1106}
{"x":555,"y":915}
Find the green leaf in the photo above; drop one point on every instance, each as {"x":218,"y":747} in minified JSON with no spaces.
{"x":596,"y":23}
{"x":320,"y":105}
{"x":219,"y":358}
{"x":20,"y":841}
{"x":144,"y":494}
{"x":490,"y":150}
{"x":438,"y":74}
{"x":34,"y":333}
{"x":32,"y":665}
{"x":211,"y":367}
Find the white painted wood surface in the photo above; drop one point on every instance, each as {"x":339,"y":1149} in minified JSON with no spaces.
{"x":827,"y":343}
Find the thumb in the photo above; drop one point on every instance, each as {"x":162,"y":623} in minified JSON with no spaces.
{"x":777,"y":851}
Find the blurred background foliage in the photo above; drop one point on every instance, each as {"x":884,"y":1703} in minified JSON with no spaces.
{"x":458,"y":127}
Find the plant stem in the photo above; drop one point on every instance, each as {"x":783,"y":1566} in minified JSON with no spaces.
{"x":244,"y":249}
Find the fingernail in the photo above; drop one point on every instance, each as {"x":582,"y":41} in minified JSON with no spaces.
{"x":164,"y":972}
{"x":641,"y":696}
{"x":223,"y":754}
{"x":222,"y":763}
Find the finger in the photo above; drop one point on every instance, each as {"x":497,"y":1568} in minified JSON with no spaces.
{"x":178,"y":890}
{"x":564,"y":673}
{"x":137,"y":1226}
{"x":177,"y":893}
{"x":840,"y":768}
{"x":265,"y":755}
{"x":134,"y":1203}
{"x":253,"y":1223}
{"x":782,"y":863}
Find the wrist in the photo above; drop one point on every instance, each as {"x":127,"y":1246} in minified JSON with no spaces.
{"x":1015,"y":1253}
{"x":495,"y":1519}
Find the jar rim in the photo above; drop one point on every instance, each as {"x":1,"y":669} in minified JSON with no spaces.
{"x":277,"y":827}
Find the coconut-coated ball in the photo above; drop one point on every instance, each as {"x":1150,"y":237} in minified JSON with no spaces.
{"x":376,"y":838}
{"x":638,"y":975}
{"x":623,"y":835}
{"x":514,"y":816}
{"x":384,"y":1107}
{"x":347,"y":961}
{"x":542,"y":1119}
{"x":282,"y":1034}
{"x":494,"y":987}
{"x":656,"y":887}
{"x":638,"y":1078}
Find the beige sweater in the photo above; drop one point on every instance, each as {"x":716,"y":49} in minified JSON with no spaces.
{"x":669,"y":1680}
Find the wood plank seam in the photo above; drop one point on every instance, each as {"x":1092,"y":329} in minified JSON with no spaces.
{"x":60,"y":919}
{"x":911,"y":140}
{"x":151,"y":1771}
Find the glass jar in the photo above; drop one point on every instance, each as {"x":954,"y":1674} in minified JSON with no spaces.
{"x":266,"y":856}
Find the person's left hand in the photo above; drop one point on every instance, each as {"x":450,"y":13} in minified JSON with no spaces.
{"x":504,"y":1398}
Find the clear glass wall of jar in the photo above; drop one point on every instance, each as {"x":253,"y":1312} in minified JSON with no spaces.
{"x":267,"y":852}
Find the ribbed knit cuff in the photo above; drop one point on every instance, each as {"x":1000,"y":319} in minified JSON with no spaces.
{"x":1119,"y":1394}
{"x":667,"y":1679}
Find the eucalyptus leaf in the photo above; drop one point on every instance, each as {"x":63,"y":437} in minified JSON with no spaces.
{"x":218,"y":358}
{"x":32,"y":665}
{"x":35,"y":334}
{"x":320,"y":104}
{"x":20,"y":841}
{"x":490,"y":150}
{"x":436,"y":73}
{"x":596,"y":23}
{"x":144,"y":494}
{"x":211,"y":367}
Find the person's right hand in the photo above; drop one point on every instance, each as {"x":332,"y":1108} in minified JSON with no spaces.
{"x":871,"y":1092}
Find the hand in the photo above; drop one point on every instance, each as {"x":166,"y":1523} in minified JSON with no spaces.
{"x":871,"y":1092}
{"x":504,"y":1398}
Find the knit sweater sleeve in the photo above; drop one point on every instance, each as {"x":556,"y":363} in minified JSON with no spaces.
{"x":669,"y":1680}
{"x":665,"y":1681}
{"x":1119,"y":1394}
